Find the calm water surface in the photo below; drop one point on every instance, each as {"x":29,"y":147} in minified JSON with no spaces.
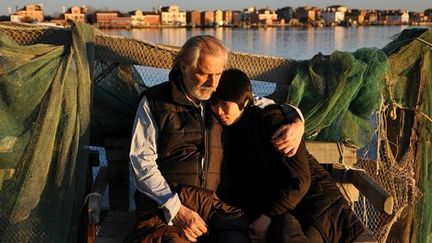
{"x":284,"y":42}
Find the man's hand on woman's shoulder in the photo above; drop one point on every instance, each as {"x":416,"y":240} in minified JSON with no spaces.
{"x":288,"y":137}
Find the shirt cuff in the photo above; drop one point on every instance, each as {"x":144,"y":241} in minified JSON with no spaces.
{"x":170,"y":208}
{"x":262,"y":102}
{"x":299,"y":113}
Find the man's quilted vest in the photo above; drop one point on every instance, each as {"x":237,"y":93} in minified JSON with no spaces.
{"x":185,"y":137}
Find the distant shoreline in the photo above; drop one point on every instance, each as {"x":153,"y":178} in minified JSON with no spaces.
{"x":422,"y":24}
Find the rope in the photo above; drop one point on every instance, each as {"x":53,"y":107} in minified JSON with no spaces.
{"x":426,"y":116}
{"x":423,"y":41}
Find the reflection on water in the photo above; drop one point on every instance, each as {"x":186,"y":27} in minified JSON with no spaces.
{"x":339,"y":35}
{"x":285,"y":42}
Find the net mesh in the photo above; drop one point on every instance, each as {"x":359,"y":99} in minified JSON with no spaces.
{"x":44,"y":116}
{"x":349,"y":87}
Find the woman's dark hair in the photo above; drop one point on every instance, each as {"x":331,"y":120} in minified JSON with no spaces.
{"x":235,"y":86}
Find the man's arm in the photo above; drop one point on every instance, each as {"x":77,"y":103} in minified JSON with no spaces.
{"x":143,"y":155}
{"x":288,"y":137}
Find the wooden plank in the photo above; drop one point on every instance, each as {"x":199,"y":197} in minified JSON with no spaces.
{"x":328,"y":153}
{"x":349,"y":191}
{"x":379,"y":197}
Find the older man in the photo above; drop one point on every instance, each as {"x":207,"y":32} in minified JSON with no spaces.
{"x":176,"y":141}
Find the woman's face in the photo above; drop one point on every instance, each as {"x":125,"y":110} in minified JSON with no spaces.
{"x":227,"y":112}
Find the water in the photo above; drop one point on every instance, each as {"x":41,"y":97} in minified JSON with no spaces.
{"x":290,"y":43}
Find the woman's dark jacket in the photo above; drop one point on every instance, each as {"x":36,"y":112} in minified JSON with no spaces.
{"x":262,"y":181}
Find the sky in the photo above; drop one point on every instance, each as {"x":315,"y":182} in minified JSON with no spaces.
{"x":55,"y":6}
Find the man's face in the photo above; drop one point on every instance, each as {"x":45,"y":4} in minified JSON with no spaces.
{"x":201,"y":81}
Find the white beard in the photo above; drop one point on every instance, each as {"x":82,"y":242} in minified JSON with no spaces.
{"x":203,"y":93}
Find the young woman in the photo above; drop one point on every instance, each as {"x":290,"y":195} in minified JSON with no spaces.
{"x":286,"y":199}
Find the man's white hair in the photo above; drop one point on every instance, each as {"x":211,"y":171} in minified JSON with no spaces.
{"x":196,"y":46}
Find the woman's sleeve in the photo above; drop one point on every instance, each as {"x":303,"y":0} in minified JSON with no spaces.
{"x":295,"y":187}
{"x":296,"y":169}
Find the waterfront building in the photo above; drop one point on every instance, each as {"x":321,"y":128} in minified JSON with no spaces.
{"x":237,"y":17}
{"x":137,"y":19}
{"x":193,"y":18}
{"x":227,"y":17}
{"x":308,"y":14}
{"x":250,"y":10}
{"x":333,"y":17}
{"x":122,"y":22}
{"x":218,"y":17}
{"x":398,"y":17}
{"x":382,"y":17}
{"x":355,"y":16}
{"x":417,"y":18}
{"x":76,"y":14}
{"x":428,"y":14}
{"x":106,"y":19}
{"x":112,"y":19}
{"x":267,"y":16}
{"x":151,"y":18}
{"x":140,"y":19}
{"x":337,"y":8}
{"x":371,"y":17}
{"x":30,"y":13}
{"x":172,"y":15}
{"x":250,"y":16}
{"x":207,"y":18}
{"x":285,"y":13}
{"x":334,"y":14}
